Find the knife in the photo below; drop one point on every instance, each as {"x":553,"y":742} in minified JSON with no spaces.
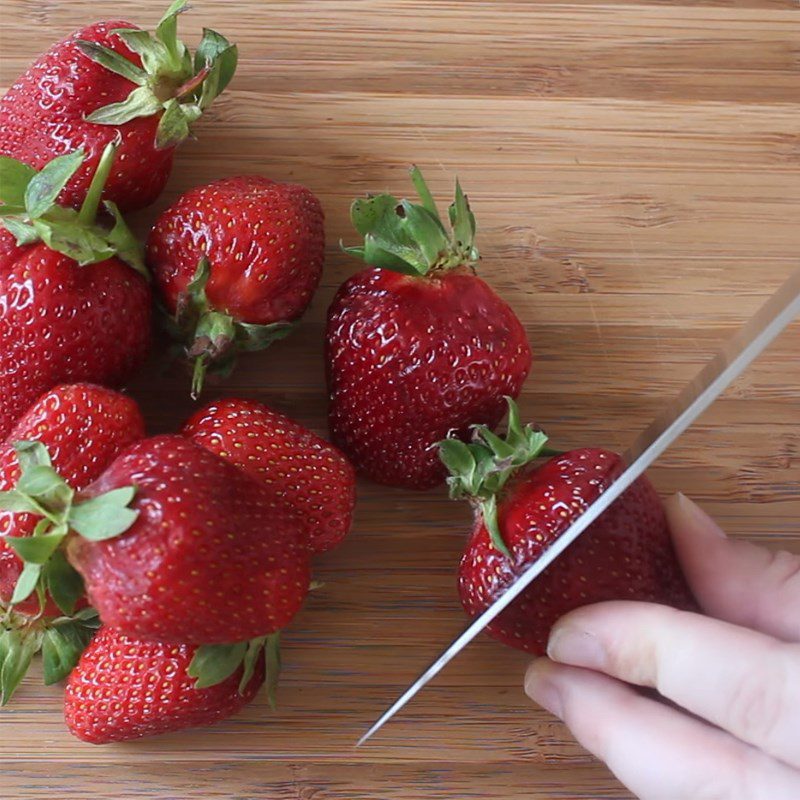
{"x":731,"y":360}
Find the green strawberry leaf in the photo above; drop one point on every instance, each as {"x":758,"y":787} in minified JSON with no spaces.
{"x":196,"y":288}
{"x":175,"y":8}
{"x":126,"y":245}
{"x":16,"y":653}
{"x":425,"y":195}
{"x":464,"y":226}
{"x":141,"y":102}
{"x":26,"y":583}
{"x":173,"y":127}
{"x":84,"y":245}
{"x":14,"y":179}
{"x":256,"y":337}
{"x":19,"y":503}
{"x":21,"y":230}
{"x":167,"y":32}
{"x":63,"y":583}
{"x":62,"y":645}
{"x":31,"y":454}
{"x":89,"y":617}
{"x":215,"y":49}
{"x":272,"y":654}
{"x":387,"y":254}
{"x":45,"y":186}
{"x":36,"y":549}
{"x":365,"y":214}
{"x":489,"y":512}
{"x":255,"y":650}
{"x":105,"y":516}
{"x":152,"y":52}
{"x":113,"y":61}
{"x":39,"y":480}
{"x":425,"y":230}
{"x":214,"y":663}
{"x":463,"y":468}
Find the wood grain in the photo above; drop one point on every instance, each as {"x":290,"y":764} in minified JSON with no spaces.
{"x":635,"y":169}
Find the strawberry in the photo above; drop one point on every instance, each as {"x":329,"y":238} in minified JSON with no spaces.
{"x":75,"y":431}
{"x":311,"y":478}
{"x":73,"y":306}
{"x":417,"y":346}
{"x":112,"y":81}
{"x":210,"y":558}
{"x":83,"y":427}
{"x":236,"y":262}
{"x":522,"y":508}
{"x":125,"y":688}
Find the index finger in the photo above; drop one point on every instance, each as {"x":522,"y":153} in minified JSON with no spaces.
{"x":743,"y":681}
{"x":736,"y":580}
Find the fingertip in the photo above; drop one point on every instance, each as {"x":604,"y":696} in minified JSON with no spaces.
{"x":541,"y":686}
{"x":688,"y":521}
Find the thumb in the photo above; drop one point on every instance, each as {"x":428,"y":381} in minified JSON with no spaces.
{"x":732,"y":580}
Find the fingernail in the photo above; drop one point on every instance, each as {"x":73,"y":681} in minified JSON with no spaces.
{"x":682,"y":512}
{"x":541,"y":688}
{"x":572,"y":645}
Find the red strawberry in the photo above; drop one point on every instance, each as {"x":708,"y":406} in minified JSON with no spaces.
{"x":211,"y":557}
{"x":521,"y":509}
{"x":125,"y":688}
{"x":236,"y":261}
{"x":71,"y":308}
{"x":107,"y":81}
{"x":312,"y":479}
{"x":418,"y":346}
{"x":78,"y":430}
{"x":83,"y":427}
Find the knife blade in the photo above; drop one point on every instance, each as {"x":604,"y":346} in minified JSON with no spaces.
{"x":729,"y":362}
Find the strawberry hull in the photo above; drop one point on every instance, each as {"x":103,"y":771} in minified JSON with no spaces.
{"x":42,"y":116}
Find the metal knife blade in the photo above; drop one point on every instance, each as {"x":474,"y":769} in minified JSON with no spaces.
{"x":731,"y":360}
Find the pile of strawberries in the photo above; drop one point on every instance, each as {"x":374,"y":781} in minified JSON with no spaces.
{"x":155,"y":574}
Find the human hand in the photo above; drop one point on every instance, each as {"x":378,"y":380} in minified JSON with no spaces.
{"x":732,"y":729}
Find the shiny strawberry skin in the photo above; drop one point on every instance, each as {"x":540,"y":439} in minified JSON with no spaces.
{"x":42,"y":116}
{"x":125,"y":688}
{"x":265,"y":242}
{"x":310,"y":477}
{"x":84,"y":427}
{"x":211,"y":558}
{"x":626,"y":554}
{"x":60,"y":322}
{"x":409,"y":359}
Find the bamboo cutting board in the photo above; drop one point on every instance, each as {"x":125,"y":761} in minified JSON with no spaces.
{"x":635,"y":170}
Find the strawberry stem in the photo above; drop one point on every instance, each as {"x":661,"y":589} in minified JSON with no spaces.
{"x":198,"y":376}
{"x":88,"y":212}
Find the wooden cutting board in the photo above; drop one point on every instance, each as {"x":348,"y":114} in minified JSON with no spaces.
{"x":635,"y":170}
